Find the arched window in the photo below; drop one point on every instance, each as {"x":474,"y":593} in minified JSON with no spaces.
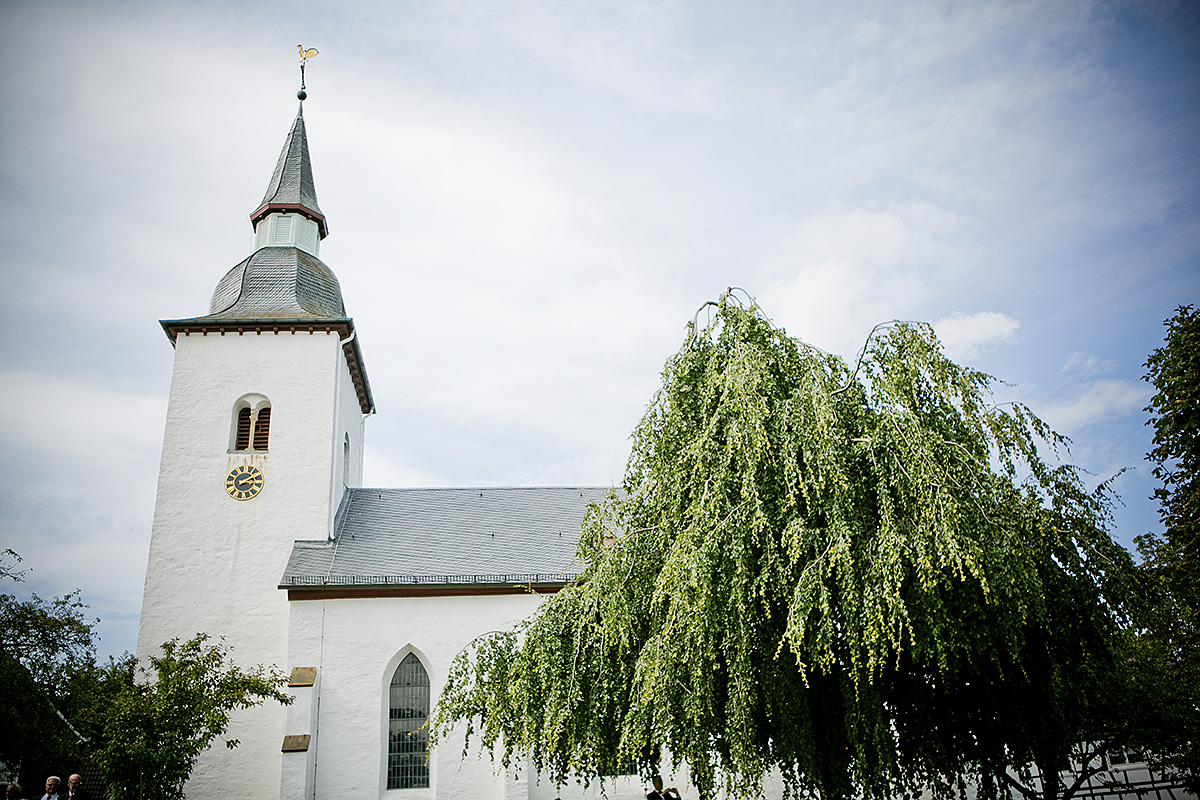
{"x":251,"y":429}
{"x":408,"y":737}
{"x":262,"y":428}
{"x":346,"y":460}
{"x":242,"y":440}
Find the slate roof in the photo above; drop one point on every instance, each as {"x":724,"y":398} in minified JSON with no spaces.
{"x":278,"y":282}
{"x":284,"y":288}
{"x":480,"y":537}
{"x":291,"y":187}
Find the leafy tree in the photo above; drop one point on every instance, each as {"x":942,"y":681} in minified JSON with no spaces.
{"x":1172,"y":560}
{"x":43,"y":644}
{"x":153,"y":731}
{"x":47,"y":636}
{"x":143,"y":731}
{"x":867,"y":577}
{"x":1174,"y":370}
{"x":33,"y":740}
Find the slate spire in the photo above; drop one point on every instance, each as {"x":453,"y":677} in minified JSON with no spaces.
{"x":291,"y":189}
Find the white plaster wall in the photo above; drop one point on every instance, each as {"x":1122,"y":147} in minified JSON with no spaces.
{"x":356,"y":645}
{"x":215,"y":562}
{"x":297,"y":766}
{"x":349,"y":421}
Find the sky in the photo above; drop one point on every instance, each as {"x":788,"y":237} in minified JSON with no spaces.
{"x":528,"y":201}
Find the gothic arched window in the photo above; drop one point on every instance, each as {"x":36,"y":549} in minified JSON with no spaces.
{"x":408,"y":736}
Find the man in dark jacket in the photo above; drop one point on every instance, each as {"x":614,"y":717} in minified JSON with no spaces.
{"x":75,"y":789}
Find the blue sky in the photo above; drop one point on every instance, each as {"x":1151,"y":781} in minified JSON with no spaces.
{"x":528,"y":201}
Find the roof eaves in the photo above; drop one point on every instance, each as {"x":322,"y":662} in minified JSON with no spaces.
{"x":499,"y":579}
{"x":344,"y":327}
{"x":216,"y":324}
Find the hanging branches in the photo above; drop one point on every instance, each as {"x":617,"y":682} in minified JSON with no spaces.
{"x":813,"y":562}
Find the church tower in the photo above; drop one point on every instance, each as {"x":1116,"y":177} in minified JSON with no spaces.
{"x":264,"y":433}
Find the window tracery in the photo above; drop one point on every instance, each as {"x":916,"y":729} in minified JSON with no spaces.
{"x":408,"y":735}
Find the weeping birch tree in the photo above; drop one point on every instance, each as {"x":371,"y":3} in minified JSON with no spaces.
{"x":867,"y":576}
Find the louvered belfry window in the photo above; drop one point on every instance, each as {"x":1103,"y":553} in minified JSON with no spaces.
{"x":262,"y":428}
{"x":242,"y":439}
{"x":283,"y":229}
{"x":408,"y":736}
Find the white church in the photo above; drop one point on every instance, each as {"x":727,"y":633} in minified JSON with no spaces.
{"x":263,"y":535}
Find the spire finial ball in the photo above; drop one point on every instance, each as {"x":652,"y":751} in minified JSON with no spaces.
{"x":302,"y":95}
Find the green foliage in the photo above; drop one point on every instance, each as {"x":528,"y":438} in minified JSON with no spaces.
{"x":1171,"y":561}
{"x":43,"y":646}
{"x":47,"y":636}
{"x":1174,"y":369}
{"x":153,"y":731}
{"x":32,"y":739}
{"x":144,"y":731}
{"x":869,"y":579}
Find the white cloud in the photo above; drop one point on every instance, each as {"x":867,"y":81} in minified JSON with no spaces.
{"x":839,"y":273}
{"x":1095,"y":402}
{"x":964,"y":336}
{"x":634,"y":48}
{"x":1088,"y":365}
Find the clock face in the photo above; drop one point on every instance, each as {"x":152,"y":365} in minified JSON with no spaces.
{"x":244,"y":482}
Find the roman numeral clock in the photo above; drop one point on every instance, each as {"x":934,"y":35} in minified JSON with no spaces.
{"x":244,"y":482}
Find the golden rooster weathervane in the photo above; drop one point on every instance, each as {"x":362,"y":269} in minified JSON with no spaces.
{"x":305,"y":55}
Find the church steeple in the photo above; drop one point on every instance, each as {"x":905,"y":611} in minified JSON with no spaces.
{"x":263,"y":434}
{"x":283,"y":285}
{"x":290,"y":192}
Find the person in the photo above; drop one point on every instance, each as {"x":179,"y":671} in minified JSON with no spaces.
{"x":658,"y":793}
{"x":75,"y":788}
{"x":12,"y":791}
{"x":52,"y":788}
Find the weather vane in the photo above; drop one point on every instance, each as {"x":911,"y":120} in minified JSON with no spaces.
{"x":305,"y":55}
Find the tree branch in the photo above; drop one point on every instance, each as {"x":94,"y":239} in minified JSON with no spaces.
{"x":1025,"y":791}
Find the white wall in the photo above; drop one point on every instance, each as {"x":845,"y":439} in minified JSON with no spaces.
{"x":356,"y":645}
{"x":215,"y":562}
{"x":348,"y":422}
